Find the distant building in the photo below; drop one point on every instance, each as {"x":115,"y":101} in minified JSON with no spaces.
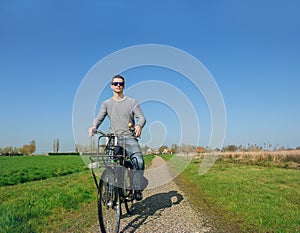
{"x":152,"y":151}
{"x":167,"y":151}
{"x":200,"y":149}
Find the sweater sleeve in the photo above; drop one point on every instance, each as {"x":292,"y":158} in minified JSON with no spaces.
{"x":139,"y":115}
{"x":101,"y":115}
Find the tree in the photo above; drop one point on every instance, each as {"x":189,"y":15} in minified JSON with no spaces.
{"x":29,"y":149}
{"x":230,"y":148}
{"x":161,"y":149}
{"x":56,"y":145}
{"x":33,"y":146}
{"x":174,"y":148}
{"x":76,"y":148}
{"x":7,"y":149}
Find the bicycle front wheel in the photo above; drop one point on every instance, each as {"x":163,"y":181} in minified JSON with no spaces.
{"x":108,"y":203}
{"x":128,"y":192}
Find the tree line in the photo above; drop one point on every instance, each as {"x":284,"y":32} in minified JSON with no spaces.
{"x":255,"y":147}
{"x":27,"y":149}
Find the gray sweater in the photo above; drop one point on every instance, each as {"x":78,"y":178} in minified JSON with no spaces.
{"x":120,"y":113}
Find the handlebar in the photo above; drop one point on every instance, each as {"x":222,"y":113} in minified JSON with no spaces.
{"x":96,"y":131}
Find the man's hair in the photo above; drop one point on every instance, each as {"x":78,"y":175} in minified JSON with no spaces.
{"x":117,"y":76}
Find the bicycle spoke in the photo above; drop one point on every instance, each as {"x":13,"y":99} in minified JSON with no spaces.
{"x":108,"y":203}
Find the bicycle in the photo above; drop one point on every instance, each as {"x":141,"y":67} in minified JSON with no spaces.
{"x":115,"y":186}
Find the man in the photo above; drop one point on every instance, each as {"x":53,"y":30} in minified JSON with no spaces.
{"x":122,"y":110}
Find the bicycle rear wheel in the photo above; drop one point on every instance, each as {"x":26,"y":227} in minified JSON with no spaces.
{"x":109,"y":212}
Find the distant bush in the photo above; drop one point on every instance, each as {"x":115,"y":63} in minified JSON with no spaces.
{"x":286,"y":158}
{"x":230,"y":148}
{"x":11,"y":154}
{"x":66,"y":153}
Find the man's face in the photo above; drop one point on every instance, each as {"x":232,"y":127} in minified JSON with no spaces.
{"x":117,"y":85}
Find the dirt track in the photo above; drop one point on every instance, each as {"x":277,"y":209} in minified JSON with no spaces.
{"x":164,"y":209}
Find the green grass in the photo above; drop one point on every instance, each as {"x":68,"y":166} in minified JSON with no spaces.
{"x":21,"y":169}
{"x":64,"y":202}
{"x":41,"y":205}
{"x":257,"y":199}
{"x":148,"y":160}
{"x":251,"y":198}
{"x":166,"y":156}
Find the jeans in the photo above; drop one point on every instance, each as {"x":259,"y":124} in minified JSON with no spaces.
{"x":134,"y":152}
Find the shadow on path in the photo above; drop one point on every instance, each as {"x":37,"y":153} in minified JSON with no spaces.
{"x":152,"y":207}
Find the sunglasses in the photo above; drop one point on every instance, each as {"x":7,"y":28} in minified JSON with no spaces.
{"x":116,"y":83}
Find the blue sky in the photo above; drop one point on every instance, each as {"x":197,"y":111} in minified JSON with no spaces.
{"x":251,"y":48}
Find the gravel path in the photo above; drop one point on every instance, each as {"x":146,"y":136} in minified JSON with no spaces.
{"x":163,"y":209}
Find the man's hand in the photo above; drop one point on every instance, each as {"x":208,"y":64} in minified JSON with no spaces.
{"x":91,"y":131}
{"x":137,"y":130}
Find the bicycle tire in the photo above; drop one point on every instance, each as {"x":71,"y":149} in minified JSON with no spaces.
{"x":109,"y":212}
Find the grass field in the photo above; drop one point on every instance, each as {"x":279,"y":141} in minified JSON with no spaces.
{"x":60,"y":195}
{"x":21,"y":169}
{"x":251,"y":197}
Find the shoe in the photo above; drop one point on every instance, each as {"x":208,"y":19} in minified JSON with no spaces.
{"x":138,"y":195}
{"x":109,"y":203}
